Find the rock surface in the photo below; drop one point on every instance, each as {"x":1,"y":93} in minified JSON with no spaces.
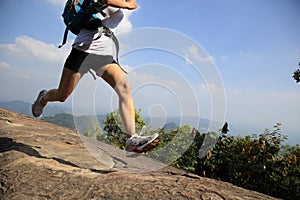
{"x":39,"y":160}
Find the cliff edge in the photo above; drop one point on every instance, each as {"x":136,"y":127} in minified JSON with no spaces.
{"x":40,"y":160}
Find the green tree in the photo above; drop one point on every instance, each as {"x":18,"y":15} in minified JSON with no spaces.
{"x":296,"y":74}
{"x":114,"y":129}
{"x":257,"y":162}
{"x":172,"y":145}
{"x":95,"y":133}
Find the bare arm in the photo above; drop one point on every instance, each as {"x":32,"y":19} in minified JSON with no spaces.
{"x":127,"y":4}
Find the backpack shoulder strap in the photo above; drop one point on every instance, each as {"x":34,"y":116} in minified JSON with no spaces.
{"x":64,"y":38}
{"x":85,"y":4}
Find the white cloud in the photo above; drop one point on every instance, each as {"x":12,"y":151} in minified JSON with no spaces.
{"x":225,"y":58}
{"x":9,"y":73}
{"x":125,"y":25}
{"x":29,"y":48}
{"x":27,"y":62}
{"x":4,"y":65}
{"x":194,"y":54}
{"x":127,"y":68}
{"x":188,"y":60}
{"x":210,"y":87}
{"x":57,"y":2}
{"x":142,"y":82}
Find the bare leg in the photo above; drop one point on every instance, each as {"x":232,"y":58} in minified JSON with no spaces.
{"x":68,"y":82}
{"x":116,"y":78}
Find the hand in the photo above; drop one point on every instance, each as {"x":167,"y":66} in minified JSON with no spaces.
{"x":131,"y":4}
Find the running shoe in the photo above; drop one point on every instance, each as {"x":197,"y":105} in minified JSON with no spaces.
{"x":136,"y":143}
{"x":37,"y":106}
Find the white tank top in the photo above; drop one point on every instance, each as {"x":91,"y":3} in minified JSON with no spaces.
{"x":86,"y":40}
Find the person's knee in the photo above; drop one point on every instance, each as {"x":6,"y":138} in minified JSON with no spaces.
{"x":123,"y":89}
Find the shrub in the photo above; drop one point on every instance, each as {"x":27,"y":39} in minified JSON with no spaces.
{"x":255,"y":162}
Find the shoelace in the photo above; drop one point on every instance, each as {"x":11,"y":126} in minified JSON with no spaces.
{"x":143,"y":131}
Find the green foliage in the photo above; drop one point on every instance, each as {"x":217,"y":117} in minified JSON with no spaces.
{"x":172,"y":145}
{"x":88,"y":134}
{"x":255,"y":162}
{"x":62,"y":119}
{"x":95,"y":133}
{"x":114,"y":131}
{"x":296,"y":75}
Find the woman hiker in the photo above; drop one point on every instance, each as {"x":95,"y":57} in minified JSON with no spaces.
{"x":100,"y":54}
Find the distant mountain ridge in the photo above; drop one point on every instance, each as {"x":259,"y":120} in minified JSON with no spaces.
{"x":24,"y":108}
{"x":63,"y":116}
{"x":17,"y":106}
{"x":173,"y":122}
{"x":82,"y":123}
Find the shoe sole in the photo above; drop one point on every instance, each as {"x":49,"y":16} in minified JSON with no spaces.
{"x":133,"y":154}
{"x":35,"y":102}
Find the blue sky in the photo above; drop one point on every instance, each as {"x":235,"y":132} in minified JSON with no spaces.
{"x":254,"y":46}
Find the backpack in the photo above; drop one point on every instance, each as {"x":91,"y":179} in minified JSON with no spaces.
{"x":78,"y":14}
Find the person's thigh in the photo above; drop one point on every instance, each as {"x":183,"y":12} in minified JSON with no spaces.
{"x":68,"y":82}
{"x":114,"y":76}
